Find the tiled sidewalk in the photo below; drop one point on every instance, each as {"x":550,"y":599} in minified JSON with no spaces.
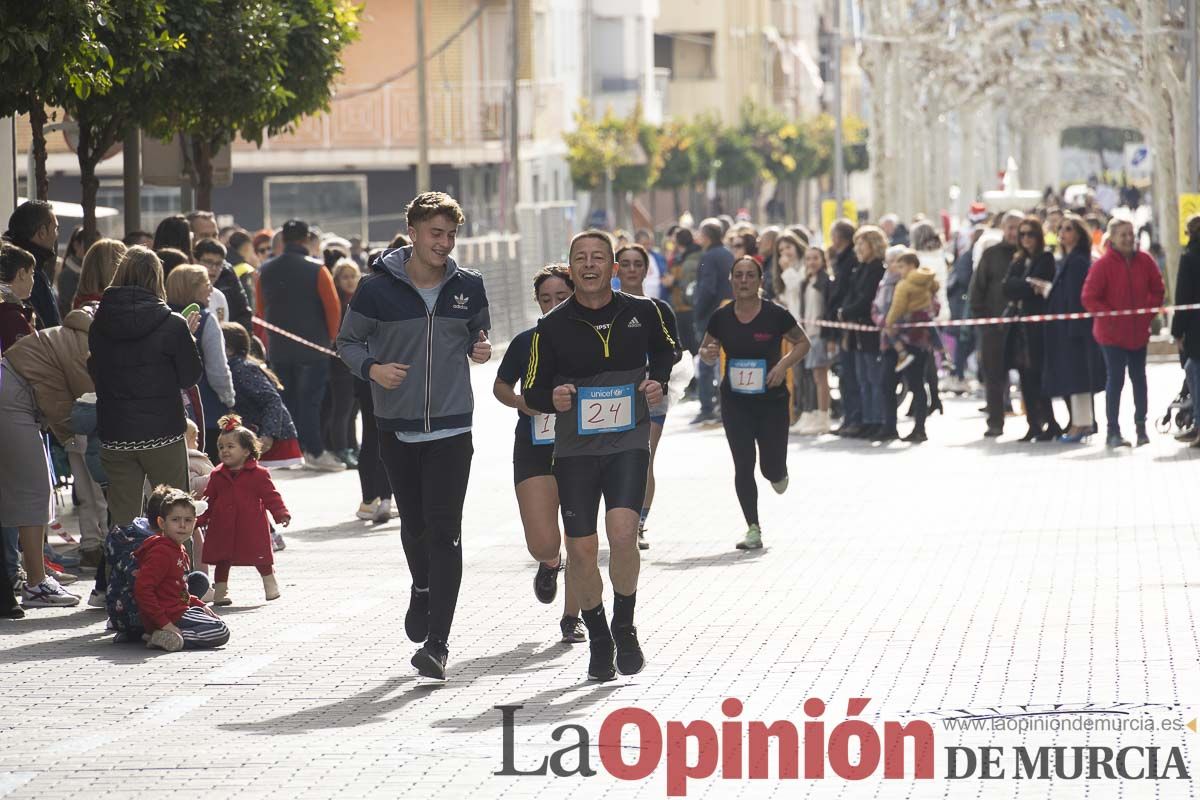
{"x":952,"y":578}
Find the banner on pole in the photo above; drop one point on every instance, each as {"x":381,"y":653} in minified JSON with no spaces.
{"x":1189,"y":205}
{"x":829,"y":215}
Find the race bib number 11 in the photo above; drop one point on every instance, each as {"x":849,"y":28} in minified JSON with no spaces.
{"x":606,"y":409}
{"x":748,"y":375}
{"x":542,"y":428}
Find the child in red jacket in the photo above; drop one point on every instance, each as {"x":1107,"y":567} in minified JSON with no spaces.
{"x":174,"y":617}
{"x":239,"y":495}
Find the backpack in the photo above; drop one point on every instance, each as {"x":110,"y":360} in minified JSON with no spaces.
{"x":119,"y":547}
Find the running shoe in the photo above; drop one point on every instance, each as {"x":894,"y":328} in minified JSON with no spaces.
{"x":1114,"y":441}
{"x":277,"y":542}
{"x":753,"y":540}
{"x":629,"y":653}
{"x":416,"y":621}
{"x":545,"y":582}
{"x":1143,"y":438}
{"x":96,"y":599}
{"x":780,"y":486}
{"x":573,"y":630}
{"x":89,"y":557}
{"x":366,"y":511}
{"x":62,"y":559}
{"x":47,"y":594}
{"x":601,"y":666}
{"x":383,"y":513}
{"x":12,"y":612}
{"x":55,"y":570}
{"x":430,"y":660}
{"x":642,"y":543}
{"x":904,"y":361}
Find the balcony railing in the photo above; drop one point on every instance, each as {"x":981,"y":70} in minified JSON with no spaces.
{"x":460,"y":115}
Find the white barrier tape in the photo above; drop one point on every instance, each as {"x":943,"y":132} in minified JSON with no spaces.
{"x":978,"y":321}
{"x":276,"y":329}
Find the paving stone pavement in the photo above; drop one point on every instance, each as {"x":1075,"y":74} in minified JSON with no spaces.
{"x":962,"y":577}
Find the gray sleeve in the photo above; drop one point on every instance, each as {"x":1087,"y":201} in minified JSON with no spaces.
{"x":216,"y":365}
{"x":352,"y":342}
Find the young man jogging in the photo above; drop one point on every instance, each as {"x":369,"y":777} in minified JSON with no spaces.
{"x":410,"y":330}
{"x":588,"y":366}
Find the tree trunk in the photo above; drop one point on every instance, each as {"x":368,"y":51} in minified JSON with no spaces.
{"x":202,"y":156}
{"x":37,"y":185}
{"x":87,"y":178}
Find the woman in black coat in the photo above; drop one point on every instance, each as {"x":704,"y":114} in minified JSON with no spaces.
{"x":1072,"y":366}
{"x":1185,"y":326}
{"x":1029,"y":278}
{"x":142,"y":357}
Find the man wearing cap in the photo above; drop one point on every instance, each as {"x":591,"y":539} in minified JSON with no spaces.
{"x":296,"y":293}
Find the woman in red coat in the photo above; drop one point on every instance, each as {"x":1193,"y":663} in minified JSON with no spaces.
{"x":239,"y":495}
{"x":1123,"y":278}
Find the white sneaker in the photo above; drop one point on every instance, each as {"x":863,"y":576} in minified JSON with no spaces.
{"x":802,"y":421}
{"x":366,"y":511}
{"x":277,"y":542}
{"x":47,"y":594}
{"x":165,"y":640}
{"x":96,"y":599}
{"x":822,"y":424}
{"x":326,"y":462}
{"x":383,"y":513}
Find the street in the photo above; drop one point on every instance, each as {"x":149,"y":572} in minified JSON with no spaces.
{"x":960,"y":577}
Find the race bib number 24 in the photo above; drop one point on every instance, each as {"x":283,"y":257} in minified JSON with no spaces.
{"x":606,"y":409}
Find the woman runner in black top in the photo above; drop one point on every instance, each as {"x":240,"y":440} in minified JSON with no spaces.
{"x":533,"y":456}
{"x":754,"y":399}
{"x":632,"y":264}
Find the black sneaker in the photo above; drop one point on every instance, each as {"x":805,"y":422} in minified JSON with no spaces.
{"x":1143,"y":438}
{"x":629,"y":653}
{"x":600,"y":667}
{"x":430,"y":660}
{"x":545,"y":582}
{"x":416,"y":621}
{"x":573,"y":630}
{"x":642,"y":543}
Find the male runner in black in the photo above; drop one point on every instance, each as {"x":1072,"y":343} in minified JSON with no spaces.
{"x":588,"y":365}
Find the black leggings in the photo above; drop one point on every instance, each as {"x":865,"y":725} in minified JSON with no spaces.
{"x":915,"y":377}
{"x":429,"y":480}
{"x":749,"y":422}
{"x":371,"y":475}
{"x":337,"y":412}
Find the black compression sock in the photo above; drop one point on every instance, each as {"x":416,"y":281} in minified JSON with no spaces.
{"x":596,"y":624}
{"x":623,"y":609}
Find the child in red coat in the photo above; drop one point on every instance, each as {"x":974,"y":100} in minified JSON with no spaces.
{"x":174,"y":618}
{"x":239,"y":494}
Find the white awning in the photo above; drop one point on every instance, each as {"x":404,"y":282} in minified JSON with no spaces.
{"x":74,"y":210}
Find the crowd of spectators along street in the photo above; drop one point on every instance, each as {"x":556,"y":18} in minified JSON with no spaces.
{"x":112,"y":378}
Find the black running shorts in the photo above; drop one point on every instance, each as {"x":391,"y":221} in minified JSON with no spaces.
{"x":531,"y":460}
{"x":582,"y":480}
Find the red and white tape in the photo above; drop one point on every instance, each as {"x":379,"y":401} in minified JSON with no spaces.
{"x":978,"y":321}
{"x":288,"y":334}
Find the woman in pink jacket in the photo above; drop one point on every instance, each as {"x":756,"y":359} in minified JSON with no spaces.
{"x":1123,"y":278}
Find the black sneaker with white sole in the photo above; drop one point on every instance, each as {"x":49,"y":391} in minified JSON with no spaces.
{"x":601,"y":666}
{"x":573,"y":630}
{"x":545,"y":582}
{"x":630,"y":660}
{"x":416,"y":621}
{"x":430,"y":660}
{"x":642,"y":543}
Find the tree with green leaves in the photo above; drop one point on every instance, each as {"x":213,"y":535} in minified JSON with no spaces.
{"x":249,"y":68}
{"x":49,"y":49}
{"x":136,"y":38}
{"x":679,"y":160}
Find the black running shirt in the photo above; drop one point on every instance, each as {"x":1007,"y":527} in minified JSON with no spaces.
{"x":752,"y":348}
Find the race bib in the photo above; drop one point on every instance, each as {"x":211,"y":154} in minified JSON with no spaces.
{"x":606,"y":409}
{"x":542,"y":427}
{"x":748,"y":375}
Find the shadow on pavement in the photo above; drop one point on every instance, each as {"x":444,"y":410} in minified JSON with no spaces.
{"x":715,"y":560}
{"x":535,"y":708}
{"x":368,"y":707}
